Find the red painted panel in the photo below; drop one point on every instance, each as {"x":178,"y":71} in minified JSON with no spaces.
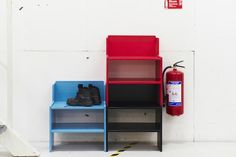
{"x":132,"y":46}
{"x":134,"y":81}
{"x":134,"y":58}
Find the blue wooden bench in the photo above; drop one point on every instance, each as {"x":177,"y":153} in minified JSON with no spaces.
{"x":68,"y":89}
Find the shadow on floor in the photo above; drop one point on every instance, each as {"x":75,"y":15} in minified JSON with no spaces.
{"x":92,"y":146}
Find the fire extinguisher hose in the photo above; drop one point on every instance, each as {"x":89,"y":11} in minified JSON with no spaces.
{"x":163,"y":82}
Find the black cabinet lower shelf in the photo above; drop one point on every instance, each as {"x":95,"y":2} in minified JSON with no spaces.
{"x":133,"y":105}
{"x":133,"y":127}
{"x":155,"y":127}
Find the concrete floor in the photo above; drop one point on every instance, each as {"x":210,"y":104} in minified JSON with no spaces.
{"x":185,"y":149}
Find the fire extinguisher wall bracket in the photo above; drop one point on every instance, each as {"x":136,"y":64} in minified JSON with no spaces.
{"x":174,"y":98}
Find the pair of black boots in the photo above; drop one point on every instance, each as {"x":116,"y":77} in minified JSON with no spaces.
{"x":86,"y":96}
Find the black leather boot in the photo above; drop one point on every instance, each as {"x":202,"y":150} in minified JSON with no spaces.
{"x":83,"y":97}
{"x":95,"y":94}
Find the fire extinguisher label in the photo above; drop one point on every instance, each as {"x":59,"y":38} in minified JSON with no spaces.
{"x":174,"y":93}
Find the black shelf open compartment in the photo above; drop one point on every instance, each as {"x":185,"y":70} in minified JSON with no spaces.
{"x":138,"y":126}
{"x":134,"y":96}
{"x":133,"y":105}
{"x":133,"y":127}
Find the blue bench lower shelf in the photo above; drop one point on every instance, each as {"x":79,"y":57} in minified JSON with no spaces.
{"x":77,"y":128}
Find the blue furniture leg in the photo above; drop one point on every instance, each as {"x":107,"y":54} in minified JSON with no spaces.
{"x":51,"y":142}
{"x":51,"y":138}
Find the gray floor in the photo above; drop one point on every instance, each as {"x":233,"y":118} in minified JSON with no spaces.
{"x":170,"y":149}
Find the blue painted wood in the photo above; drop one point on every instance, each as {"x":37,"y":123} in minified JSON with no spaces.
{"x":68,"y":89}
{"x":61,"y":105}
{"x":51,"y":135}
{"x":53,"y":92}
{"x":62,"y":90}
{"x":78,"y":128}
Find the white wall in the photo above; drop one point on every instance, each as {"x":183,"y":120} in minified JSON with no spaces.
{"x":52,"y":39}
{"x":215,"y":73}
{"x":3,"y":59}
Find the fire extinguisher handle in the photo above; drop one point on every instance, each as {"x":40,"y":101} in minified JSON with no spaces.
{"x":178,"y":62}
{"x":180,"y":66}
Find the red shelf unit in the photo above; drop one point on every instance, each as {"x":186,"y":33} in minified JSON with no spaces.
{"x":134,"y":60}
{"x":134,"y":81}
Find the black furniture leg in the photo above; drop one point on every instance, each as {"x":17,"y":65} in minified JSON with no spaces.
{"x":107,"y":130}
{"x":160,"y":132}
{"x":158,"y":139}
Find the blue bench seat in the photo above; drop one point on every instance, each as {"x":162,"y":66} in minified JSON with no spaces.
{"x":61,"y":105}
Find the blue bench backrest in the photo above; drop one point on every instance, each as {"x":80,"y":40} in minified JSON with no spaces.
{"x":62,"y":90}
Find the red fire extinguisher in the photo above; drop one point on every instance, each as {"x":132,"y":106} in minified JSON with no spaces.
{"x":174,"y":90}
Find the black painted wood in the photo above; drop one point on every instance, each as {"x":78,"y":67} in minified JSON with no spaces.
{"x":133,"y":105}
{"x":133,"y":127}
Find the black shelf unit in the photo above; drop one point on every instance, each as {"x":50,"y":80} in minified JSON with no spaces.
{"x":136,"y":126}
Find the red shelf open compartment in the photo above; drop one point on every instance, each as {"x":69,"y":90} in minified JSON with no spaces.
{"x":134,"y":71}
{"x":134,"y":60}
